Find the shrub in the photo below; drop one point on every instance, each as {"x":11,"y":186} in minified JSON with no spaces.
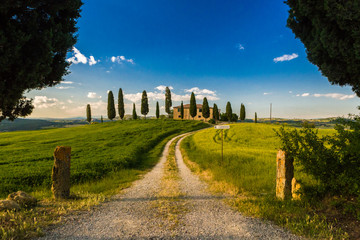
{"x":212,"y":121}
{"x":307,"y":124}
{"x":333,"y":160}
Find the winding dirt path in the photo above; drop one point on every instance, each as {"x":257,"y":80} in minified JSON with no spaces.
{"x":138,"y":212}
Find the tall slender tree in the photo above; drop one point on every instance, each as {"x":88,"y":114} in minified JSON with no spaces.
{"x":255,"y":117}
{"x":242,"y":112}
{"x":193,"y":108}
{"x":88,"y":113}
{"x":182,"y":110}
{"x":111,"y":106}
{"x":228,"y":111}
{"x":157,"y":110}
{"x":205,"y":109}
{"x":144,"y":104}
{"x":121,"y":107}
{"x":216,"y":112}
{"x":134,"y":115}
{"x":168,"y":102}
{"x":101,"y":119}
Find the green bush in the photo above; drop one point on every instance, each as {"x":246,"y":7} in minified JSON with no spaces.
{"x":307,"y":124}
{"x":212,"y":121}
{"x":333,"y":160}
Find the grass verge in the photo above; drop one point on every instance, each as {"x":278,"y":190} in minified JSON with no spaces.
{"x":248,"y":173}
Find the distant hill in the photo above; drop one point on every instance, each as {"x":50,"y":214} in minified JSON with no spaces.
{"x":37,"y":124}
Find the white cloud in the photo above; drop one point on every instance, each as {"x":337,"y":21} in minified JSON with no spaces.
{"x":69,"y":101}
{"x":121,"y":59}
{"x":67,"y":82}
{"x":197,"y":90}
{"x":267,"y":93}
{"x":240,"y":47}
{"x":336,"y":96}
{"x":45,"y":102}
{"x":93,"y":95}
{"x":298,"y":95}
{"x":100,"y":105}
{"x":290,"y":91}
{"x":286,"y":57}
{"x":305,"y":94}
{"x":63,"y":87}
{"x":92,"y":61}
{"x":163,"y":87}
{"x":78,"y":57}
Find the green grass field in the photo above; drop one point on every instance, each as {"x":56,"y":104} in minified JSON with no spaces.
{"x":26,"y":157}
{"x":249,"y":167}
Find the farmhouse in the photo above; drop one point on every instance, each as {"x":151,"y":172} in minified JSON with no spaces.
{"x":199,"y":116}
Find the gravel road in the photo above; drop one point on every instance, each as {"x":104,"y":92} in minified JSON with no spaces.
{"x":134,"y":214}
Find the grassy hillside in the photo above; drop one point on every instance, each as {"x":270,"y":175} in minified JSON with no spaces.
{"x":26,"y":158}
{"x":249,"y":172}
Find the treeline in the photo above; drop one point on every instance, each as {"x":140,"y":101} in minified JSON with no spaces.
{"x":205,"y":111}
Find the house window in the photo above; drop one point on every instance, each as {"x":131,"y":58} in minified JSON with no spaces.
{"x":179,"y":116}
{"x":178,"y":109}
{"x":199,"y":116}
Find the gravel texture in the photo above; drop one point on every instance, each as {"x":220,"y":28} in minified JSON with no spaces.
{"x":134,"y":214}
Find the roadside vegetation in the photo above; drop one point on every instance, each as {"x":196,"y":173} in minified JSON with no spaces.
{"x":105,"y":158}
{"x":248,"y":172}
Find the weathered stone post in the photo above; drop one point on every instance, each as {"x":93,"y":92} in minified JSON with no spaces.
{"x":284,"y":175}
{"x":61,"y":172}
{"x":295,"y":189}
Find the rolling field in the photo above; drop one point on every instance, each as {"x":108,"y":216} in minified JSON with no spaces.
{"x":26,"y":158}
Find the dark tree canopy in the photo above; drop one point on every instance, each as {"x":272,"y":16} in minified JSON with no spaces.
{"x":242,"y":112}
{"x":88,"y":113}
{"x":255,"y":117}
{"x":157,"y":110}
{"x":121,"y":107}
{"x":144,"y":104}
{"x":35,"y":37}
{"x":111,"y":106}
{"x":101,"y":119}
{"x":182,"y":110}
{"x":330,"y":31}
{"x":205,"y":108}
{"x":216,"y":112}
{"x":228,"y":111}
{"x":168,"y":102}
{"x":193,"y":109}
{"x":134,"y":115}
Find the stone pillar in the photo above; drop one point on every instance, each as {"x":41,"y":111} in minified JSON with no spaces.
{"x":295,"y":188}
{"x":284,"y":175}
{"x":61,"y":172}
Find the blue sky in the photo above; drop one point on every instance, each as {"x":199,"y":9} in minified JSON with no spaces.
{"x":237,"y":51}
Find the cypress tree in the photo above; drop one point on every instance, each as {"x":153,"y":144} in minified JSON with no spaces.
{"x":193,"y":109}
{"x":101,"y":119}
{"x":157,"y":110}
{"x":182,"y":110}
{"x":111,"y":106}
{"x":134,"y":115}
{"x":205,"y":108}
{"x":228,"y":111}
{"x":121,"y":107}
{"x":168,"y":102}
{"x":88,"y":113}
{"x":242,"y":112}
{"x":215,"y":112}
{"x":144,"y":104}
{"x":255,"y":117}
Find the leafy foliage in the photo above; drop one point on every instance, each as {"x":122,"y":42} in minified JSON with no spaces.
{"x":205,"y":108}
{"x":121,"y":107}
{"x":307,"y":124}
{"x":255,"y":117}
{"x":35,"y":37}
{"x":223,"y":117}
{"x":242,"y":112}
{"x":88,"y":113}
{"x":144,"y":104}
{"x":111,"y":106}
{"x":168,"y":102}
{"x":134,"y":115}
{"x":333,"y":160}
{"x":234,"y":117}
{"x":193,"y":108}
{"x":330,"y":32}
{"x":228,"y":111}
{"x":182,"y":110}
